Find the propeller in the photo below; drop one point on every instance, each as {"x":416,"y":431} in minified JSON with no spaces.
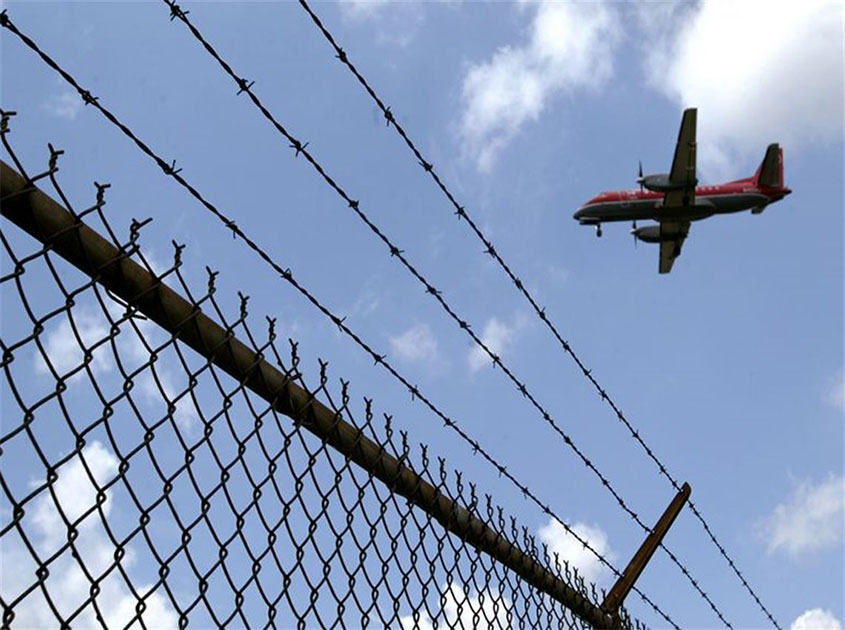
{"x":640,"y":177}
{"x":634,"y":232}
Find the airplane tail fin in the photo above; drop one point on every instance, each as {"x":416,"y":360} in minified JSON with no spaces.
{"x":770,"y":173}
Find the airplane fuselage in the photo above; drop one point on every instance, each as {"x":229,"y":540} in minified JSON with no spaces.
{"x":674,"y":199}
{"x":634,"y":205}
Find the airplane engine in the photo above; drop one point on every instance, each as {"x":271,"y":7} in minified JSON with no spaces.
{"x":659,"y":182}
{"x":651,"y":234}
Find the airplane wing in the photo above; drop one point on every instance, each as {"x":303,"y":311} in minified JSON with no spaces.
{"x":672,"y":234}
{"x":683,"y":164}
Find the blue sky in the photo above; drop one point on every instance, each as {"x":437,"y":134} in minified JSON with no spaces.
{"x":731,"y":367}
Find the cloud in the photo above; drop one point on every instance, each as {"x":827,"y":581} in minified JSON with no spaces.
{"x":67,"y":584}
{"x":74,"y":493}
{"x":367,"y":303}
{"x":757,"y":74}
{"x":63,"y":350}
{"x":835,"y":394}
{"x":498,"y":337}
{"x":810,"y":520}
{"x":568,"y":548}
{"x":363,"y":9}
{"x":157,"y":394}
{"x":486,"y":609}
{"x":557,"y":275}
{"x":152,"y":262}
{"x":65,"y":105}
{"x":395,"y":23}
{"x":570,"y":46}
{"x":415,"y":344}
{"x":64,"y":353}
{"x":816,"y":619}
{"x":370,"y":10}
{"x":185,"y":413}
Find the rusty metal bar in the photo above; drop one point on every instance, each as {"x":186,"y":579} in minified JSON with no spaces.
{"x":629,"y":576}
{"x":49,"y":222}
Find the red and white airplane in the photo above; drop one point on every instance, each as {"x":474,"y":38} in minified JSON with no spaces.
{"x":674,"y":199}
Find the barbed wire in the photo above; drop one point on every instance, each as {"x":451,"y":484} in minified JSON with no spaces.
{"x":170,"y":170}
{"x":245,"y":86}
{"x":490,"y":250}
{"x":264,"y":442}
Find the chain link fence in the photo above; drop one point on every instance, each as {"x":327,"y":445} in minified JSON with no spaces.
{"x":164,"y":465}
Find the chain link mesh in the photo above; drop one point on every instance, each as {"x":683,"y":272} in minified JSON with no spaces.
{"x":144,"y":486}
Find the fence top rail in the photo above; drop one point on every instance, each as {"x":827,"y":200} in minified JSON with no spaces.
{"x":109,"y":265}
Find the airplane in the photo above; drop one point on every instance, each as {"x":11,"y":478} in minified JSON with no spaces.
{"x":675,"y":199}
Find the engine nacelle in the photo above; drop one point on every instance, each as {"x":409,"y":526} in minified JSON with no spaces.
{"x":659,"y":182}
{"x":651,"y":234}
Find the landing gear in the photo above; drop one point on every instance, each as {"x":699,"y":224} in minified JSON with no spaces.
{"x":598,"y":230}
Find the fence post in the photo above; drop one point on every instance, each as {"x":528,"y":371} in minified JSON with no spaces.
{"x":635,"y":567}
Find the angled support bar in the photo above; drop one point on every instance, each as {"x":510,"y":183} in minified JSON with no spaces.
{"x":625,"y":583}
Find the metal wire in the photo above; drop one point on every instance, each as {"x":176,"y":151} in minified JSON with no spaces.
{"x":174,"y":494}
{"x":489,"y":249}
{"x":170,"y":170}
{"x":301,"y":148}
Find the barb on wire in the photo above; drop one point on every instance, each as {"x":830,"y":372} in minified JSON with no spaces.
{"x":396,"y":253}
{"x":461,"y":212}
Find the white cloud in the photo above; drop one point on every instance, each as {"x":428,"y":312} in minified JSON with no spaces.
{"x":65,"y":105}
{"x":151,"y":259}
{"x":487,"y":609}
{"x":67,"y":584}
{"x":498,"y":337}
{"x":74,"y":493}
{"x":395,"y":23}
{"x":369,"y":10}
{"x":185,"y":412}
{"x":64,"y":353}
{"x":816,"y":619}
{"x":570,"y":45}
{"x":758,"y":73}
{"x":835,"y":394}
{"x":367,"y":303}
{"x":415,"y":344}
{"x":568,"y":548}
{"x":810,"y":520}
{"x":362,"y":9}
{"x":63,"y":350}
{"x":557,"y":275}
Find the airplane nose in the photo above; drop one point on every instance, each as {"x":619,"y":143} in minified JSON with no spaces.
{"x":578,"y":214}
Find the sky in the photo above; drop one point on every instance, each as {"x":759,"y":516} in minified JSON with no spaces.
{"x":731,"y":367}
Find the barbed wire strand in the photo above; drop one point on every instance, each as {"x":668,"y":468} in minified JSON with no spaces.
{"x":287,"y":275}
{"x":300,"y":147}
{"x":461,"y":212}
